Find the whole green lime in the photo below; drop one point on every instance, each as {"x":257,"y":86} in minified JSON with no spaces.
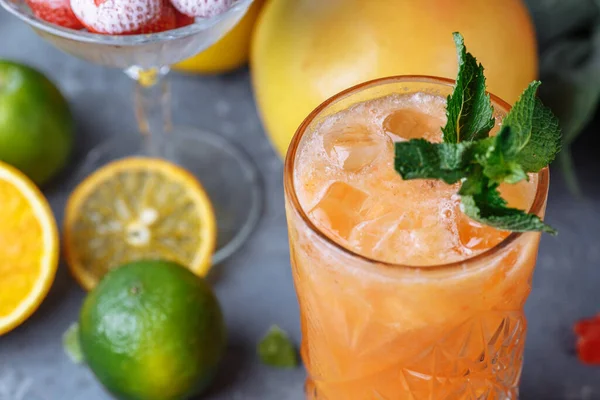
{"x":152,"y":330}
{"x":36,"y":126}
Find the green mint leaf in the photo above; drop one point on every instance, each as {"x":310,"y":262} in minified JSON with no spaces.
{"x":469,"y":109}
{"x":520,"y":117}
{"x":499,"y":158}
{"x":71,"y":344}
{"x":545,"y":140}
{"x":276,"y":349}
{"x":489,"y":208}
{"x":538,"y":136}
{"x":420,"y":159}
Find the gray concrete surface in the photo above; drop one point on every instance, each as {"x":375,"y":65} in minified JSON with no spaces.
{"x":255,"y":286}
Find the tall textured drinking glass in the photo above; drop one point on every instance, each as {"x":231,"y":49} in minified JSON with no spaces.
{"x":401,"y":295}
{"x":226,"y":172}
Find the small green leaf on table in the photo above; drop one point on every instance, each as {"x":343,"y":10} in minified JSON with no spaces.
{"x":71,"y":344}
{"x":277,"y":350}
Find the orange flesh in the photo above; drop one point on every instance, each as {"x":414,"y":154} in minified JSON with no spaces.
{"x":20,"y":238}
{"x":369,"y":333}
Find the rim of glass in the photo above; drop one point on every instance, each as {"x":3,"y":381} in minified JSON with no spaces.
{"x":290,"y":190}
{"x":201,"y":24}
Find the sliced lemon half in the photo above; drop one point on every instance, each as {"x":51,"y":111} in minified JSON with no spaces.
{"x":138,"y":209}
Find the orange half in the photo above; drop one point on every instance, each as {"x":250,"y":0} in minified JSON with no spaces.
{"x":29,"y":248}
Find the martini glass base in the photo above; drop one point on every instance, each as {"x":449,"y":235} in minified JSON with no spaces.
{"x":228,"y":175}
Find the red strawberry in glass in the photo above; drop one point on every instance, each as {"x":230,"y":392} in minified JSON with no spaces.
{"x":125,"y":17}
{"x":55,"y":11}
{"x":202,"y":8}
{"x":167,"y":20}
{"x":183,"y":20}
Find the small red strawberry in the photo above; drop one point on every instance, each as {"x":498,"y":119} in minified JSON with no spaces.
{"x":202,"y":8}
{"x":588,"y":340}
{"x":56,"y":12}
{"x":125,"y":17}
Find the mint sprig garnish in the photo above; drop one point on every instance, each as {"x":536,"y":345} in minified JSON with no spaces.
{"x":527,"y":142}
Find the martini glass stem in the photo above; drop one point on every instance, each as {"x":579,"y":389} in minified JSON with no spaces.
{"x":152,"y":109}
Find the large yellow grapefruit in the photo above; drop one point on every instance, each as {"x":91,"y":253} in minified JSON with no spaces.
{"x":304,"y":51}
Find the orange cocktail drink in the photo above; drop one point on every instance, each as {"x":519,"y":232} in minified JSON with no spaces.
{"x":402,"y":296}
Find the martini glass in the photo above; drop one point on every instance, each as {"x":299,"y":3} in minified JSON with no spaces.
{"x":226,"y":172}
